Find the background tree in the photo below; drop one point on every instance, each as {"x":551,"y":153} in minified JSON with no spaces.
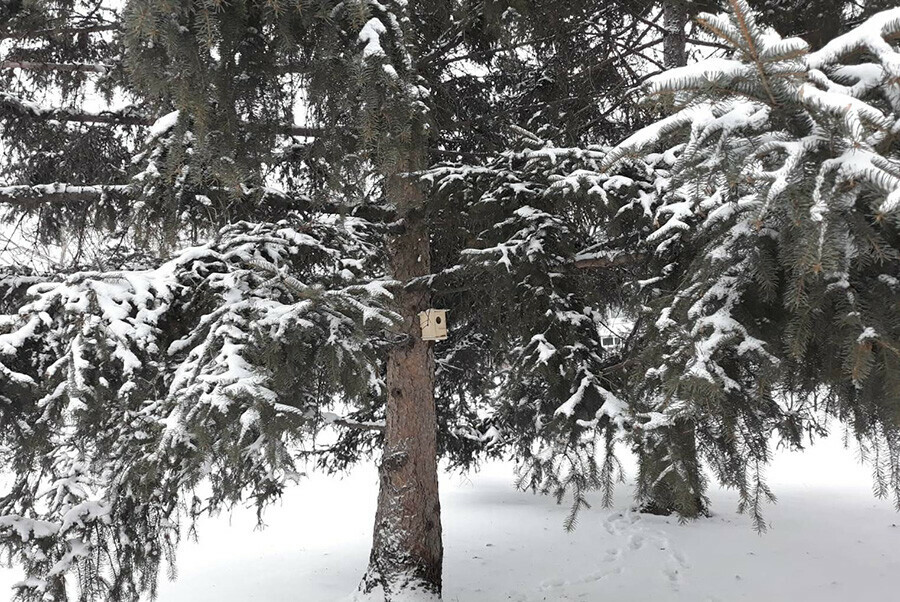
{"x":734,"y":418}
{"x":772,"y":304}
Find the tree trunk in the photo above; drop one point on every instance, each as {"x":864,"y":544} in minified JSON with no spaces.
{"x":662,"y":490}
{"x":825,"y":22}
{"x":407,"y":551}
{"x":670,"y":478}
{"x":675,"y":19}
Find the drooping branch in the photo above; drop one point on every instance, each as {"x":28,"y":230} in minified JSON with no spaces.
{"x":28,"y":196}
{"x":133,"y":116}
{"x":372,"y":213}
{"x":356,"y":425}
{"x":600,"y":261}
{"x":127,"y":116}
{"x":96,"y":68}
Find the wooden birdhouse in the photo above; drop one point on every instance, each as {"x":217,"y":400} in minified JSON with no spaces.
{"x":434,"y":324}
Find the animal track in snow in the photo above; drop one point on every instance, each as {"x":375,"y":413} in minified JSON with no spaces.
{"x":630,"y":534}
{"x":680,"y":559}
{"x":639,"y":535}
{"x":612,"y":555}
{"x":600,"y":575}
{"x":674,"y":578}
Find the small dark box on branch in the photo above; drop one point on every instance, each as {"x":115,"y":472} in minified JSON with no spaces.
{"x":434,"y":324}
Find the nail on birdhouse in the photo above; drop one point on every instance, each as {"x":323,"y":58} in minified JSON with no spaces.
{"x":434,"y":324}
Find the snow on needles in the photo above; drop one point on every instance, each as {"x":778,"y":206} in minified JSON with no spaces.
{"x":207,"y":342}
{"x":370,"y":36}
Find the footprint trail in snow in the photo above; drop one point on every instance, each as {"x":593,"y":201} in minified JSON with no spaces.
{"x":632,"y":543}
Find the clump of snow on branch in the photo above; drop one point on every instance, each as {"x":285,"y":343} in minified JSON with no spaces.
{"x":145,"y":382}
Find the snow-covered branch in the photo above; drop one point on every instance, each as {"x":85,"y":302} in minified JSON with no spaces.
{"x":64,"y":67}
{"x":28,"y":196}
{"x":150,"y":379}
{"x":128,"y":116}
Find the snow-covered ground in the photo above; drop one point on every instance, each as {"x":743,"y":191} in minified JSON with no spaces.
{"x":829,"y":540}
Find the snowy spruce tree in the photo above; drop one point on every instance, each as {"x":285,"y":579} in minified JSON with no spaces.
{"x":221,"y":244}
{"x":192,"y":327}
{"x":226,"y":217}
{"x":770,"y":300}
{"x":726,"y":233}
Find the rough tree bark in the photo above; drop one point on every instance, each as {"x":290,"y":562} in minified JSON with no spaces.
{"x":662,"y":491}
{"x":407,"y":551}
{"x":675,"y":18}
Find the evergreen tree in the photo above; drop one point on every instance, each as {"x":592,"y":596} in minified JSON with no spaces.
{"x":225,"y":283}
{"x":774,"y":238}
{"x":550,"y":376}
{"x":731,"y":343}
{"x":816,"y":22}
{"x":239,"y":243}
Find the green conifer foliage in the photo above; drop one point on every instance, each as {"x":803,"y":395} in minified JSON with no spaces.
{"x":776,"y":238}
{"x":125,"y":392}
{"x":217,"y":289}
{"x":234,"y":223}
{"x":554,"y":386}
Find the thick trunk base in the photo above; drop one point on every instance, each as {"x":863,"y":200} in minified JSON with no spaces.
{"x":668,"y":508}
{"x":670,"y":478}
